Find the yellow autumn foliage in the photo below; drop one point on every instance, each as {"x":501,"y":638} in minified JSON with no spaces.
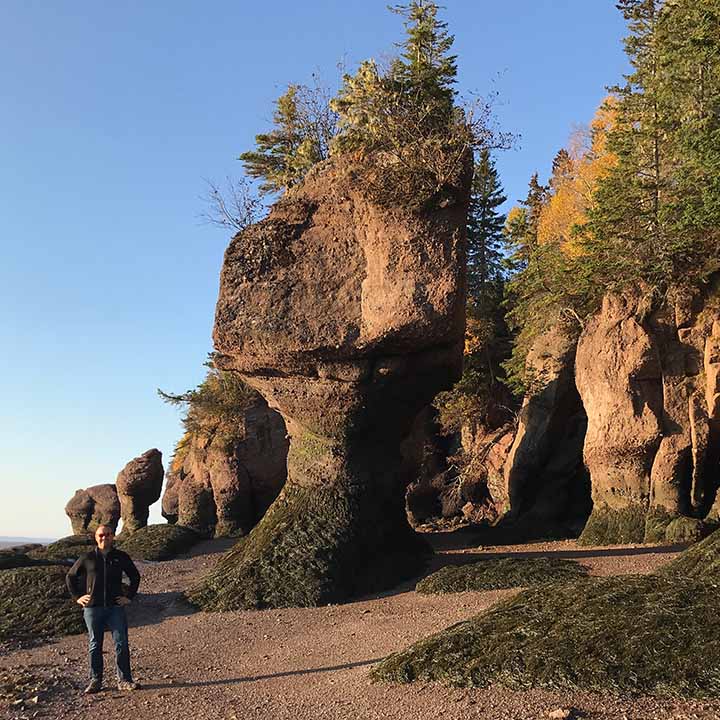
{"x":574,"y":183}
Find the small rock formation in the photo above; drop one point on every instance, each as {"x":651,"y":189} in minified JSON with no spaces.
{"x":139,"y":485}
{"x":348,"y":318}
{"x":547,"y":485}
{"x":96,"y":505}
{"x":222,"y":485}
{"x":648,"y":381}
{"x":471,"y":489}
{"x":169,"y":504}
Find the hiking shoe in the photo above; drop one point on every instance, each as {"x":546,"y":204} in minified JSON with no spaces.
{"x":128,"y":685}
{"x":94,"y":686}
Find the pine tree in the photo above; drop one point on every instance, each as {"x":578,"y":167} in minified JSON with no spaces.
{"x":403,"y":122}
{"x":303,"y":128}
{"x":417,"y":86}
{"x":425,"y":70}
{"x":656,"y":215}
{"x":485,"y":235}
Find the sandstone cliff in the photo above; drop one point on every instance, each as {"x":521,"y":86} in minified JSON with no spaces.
{"x":648,"y":381}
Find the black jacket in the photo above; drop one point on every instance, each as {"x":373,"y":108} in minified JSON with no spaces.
{"x":101,"y":577}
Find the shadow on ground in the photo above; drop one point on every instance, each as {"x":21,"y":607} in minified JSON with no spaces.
{"x":152,"y":608}
{"x":255,"y":678}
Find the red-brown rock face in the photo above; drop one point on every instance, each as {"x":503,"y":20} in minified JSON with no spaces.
{"x":96,"y":505}
{"x":348,"y":319}
{"x":224,"y":484}
{"x":647,"y":385}
{"x":139,"y":485}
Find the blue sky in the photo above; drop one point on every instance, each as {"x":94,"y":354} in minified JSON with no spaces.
{"x":111,"y":116}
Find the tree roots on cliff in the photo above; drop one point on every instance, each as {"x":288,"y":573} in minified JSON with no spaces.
{"x":315,"y":545}
{"x":34,"y":603}
{"x":500,"y":574}
{"x":159,"y":542}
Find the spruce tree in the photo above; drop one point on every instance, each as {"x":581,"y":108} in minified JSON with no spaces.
{"x":485,"y":235}
{"x":403,"y":122}
{"x":479,"y":394}
{"x":425,"y":69}
{"x":303,"y":128}
{"x":656,"y":214}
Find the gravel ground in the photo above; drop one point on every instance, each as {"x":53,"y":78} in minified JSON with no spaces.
{"x":313,"y":664}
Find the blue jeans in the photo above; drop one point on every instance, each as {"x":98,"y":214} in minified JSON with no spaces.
{"x":112,"y":618}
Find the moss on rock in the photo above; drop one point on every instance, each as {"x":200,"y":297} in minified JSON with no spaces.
{"x":655,"y":634}
{"x":685,"y":529}
{"x":499,"y":574}
{"x":611,"y":526}
{"x":159,"y":542}
{"x":315,"y":545}
{"x":700,"y":561}
{"x":66,"y":549}
{"x":656,"y":523}
{"x":662,"y":526}
{"x":34,"y":603}
{"x":10,"y":559}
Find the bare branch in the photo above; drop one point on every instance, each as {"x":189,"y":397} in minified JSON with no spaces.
{"x":232,"y":207}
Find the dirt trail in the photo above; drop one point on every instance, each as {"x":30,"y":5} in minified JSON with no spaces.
{"x":295,"y":664}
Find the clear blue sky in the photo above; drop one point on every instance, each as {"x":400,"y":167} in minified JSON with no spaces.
{"x":111,"y":116}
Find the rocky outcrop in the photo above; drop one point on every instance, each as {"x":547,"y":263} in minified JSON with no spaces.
{"x":139,"y":485}
{"x":645,"y":377}
{"x":544,"y":474}
{"x":169,"y":503}
{"x":96,"y":505}
{"x":469,"y":487}
{"x":529,"y":474}
{"x":348,"y":318}
{"x":220,"y":484}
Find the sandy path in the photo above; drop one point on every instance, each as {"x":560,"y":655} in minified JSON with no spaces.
{"x":313,"y":663}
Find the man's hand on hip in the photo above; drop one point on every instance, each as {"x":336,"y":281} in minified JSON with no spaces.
{"x":83,"y":600}
{"x":122,"y":600}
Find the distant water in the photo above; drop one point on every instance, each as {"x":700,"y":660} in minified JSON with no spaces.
{"x":6,"y":542}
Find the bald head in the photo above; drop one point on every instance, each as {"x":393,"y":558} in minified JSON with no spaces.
{"x":104,"y":537}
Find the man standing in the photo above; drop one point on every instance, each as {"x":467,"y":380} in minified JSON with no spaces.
{"x":95,"y":582}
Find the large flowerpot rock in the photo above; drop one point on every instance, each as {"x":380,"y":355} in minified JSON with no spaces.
{"x":139,"y":485}
{"x":96,"y":505}
{"x":348,"y":318}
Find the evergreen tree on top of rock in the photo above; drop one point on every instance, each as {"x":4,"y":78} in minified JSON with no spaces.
{"x":303,"y":126}
{"x":403,"y":121}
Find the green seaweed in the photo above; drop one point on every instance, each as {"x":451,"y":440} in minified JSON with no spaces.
{"x":656,"y":634}
{"x":315,"y":545}
{"x":159,"y":542}
{"x":66,"y":549}
{"x":685,"y":529}
{"x":611,"y":526}
{"x":35,"y":603}
{"x":699,"y":561}
{"x":500,"y":574}
{"x":10,"y":559}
